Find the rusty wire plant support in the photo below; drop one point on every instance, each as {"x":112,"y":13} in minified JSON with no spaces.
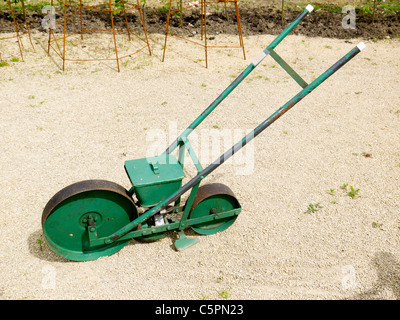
{"x":18,"y":27}
{"x":203,"y":26}
{"x":108,"y":7}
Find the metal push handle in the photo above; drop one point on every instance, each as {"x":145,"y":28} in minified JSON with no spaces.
{"x":281,"y":111}
{"x":240,"y":78}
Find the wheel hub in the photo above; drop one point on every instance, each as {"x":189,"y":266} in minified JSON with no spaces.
{"x":92,"y":219}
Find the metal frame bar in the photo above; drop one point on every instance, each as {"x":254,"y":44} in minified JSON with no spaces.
{"x":187,"y":145}
{"x":18,"y":32}
{"x":173,"y":225}
{"x":107,"y":8}
{"x":288,"y":69}
{"x":203,"y":27}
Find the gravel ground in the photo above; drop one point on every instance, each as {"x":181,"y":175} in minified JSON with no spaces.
{"x":59,"y":128}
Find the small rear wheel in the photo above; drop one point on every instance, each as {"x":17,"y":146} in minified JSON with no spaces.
{"x":65,"y":220}
{"x":210,"y":199}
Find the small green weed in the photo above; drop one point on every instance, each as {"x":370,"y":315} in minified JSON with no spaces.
{"x":377,"y":225}
{"x":344,"y":186}
{"x":353,"y":192}
{"x":40,"y":243}
{"x":313,"y":208}
{"x":225,"y":294}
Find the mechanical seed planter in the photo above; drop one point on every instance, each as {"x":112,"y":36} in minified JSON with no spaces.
{"x":95,"y":218}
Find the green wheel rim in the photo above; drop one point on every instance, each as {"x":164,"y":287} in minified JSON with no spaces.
{"x":64,"y":218}
{"x":213,"y":198}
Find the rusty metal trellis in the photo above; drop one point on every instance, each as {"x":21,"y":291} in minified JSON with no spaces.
{"x":107,"y":7}
{"x":20,"y":29}
{"x":203,"y":26}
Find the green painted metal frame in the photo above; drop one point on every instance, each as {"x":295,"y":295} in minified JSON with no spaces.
{"x":128,"y":231}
